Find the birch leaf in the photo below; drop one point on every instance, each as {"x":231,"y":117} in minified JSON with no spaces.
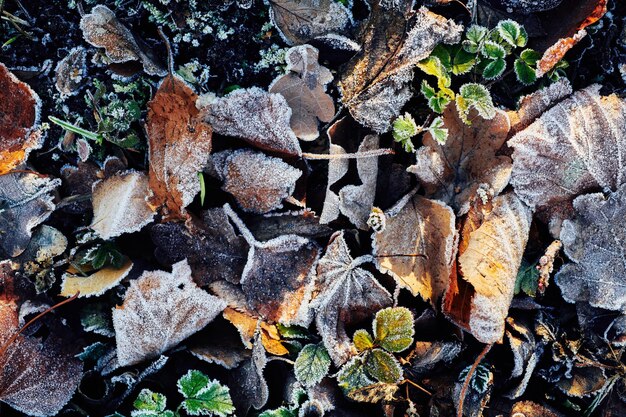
{"x":160,"y":310}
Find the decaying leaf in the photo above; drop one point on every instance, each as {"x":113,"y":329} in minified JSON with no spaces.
{"x":453,"y":171}
{"x":250,"y":387}
{"x":120,"y":206}
{"x":103,"y":30}
{"x":256,"y":116}
{"x":304,"y":88}
{"x":160,"y":310}
{"x":593,"y":241}
{"x":179,"y":146}
{"x":26,"y":202}
{"x":37,"y":260}
{"x":259,"y":183}
{"x":70,"y":71}
{"x":247,"y":325}
{"x":418,"y":246}
{"x":529,"y":408}
{"x":526,"y":353}
{"x":229,"y":356}
{"x":492,"y":243}
{"x":19,"y":117}
{"x":376,"y":83}
{"x":299,"y":21}
{"x":347,"y":294}
{"x":302,"y":223}
{"x":572,"y":149}
{"x":95,"y":284}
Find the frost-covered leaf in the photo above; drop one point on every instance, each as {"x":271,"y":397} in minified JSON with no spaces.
{"x":405,"y":128}
{"x":222,"y":350}
{"x":160,"y":310}
{"x":304,"y":88}
{"x":527,"y":279}
{"x":526,"y":353}
{"x":70,"y":72}
{"x":383,"y":366}
{"x":426,"y":355}
{"x":352,"y":375}
{"x":593,"y":241}
{"x":248,"y":324}
{"x":103,"y":30}
{"x":452,"y":172}
{"x":476,"y":97}
{"x":362,"y":340}
{"x":95,"y":284}
{"x":299,"y":21}
{"x":179,"y":145}
{"x":312,"y":364}
{"x":259,"y":183}
{"x":375,"y":86}
{"x":37,"y":260}
{"x":26,"y":202}
{"x":150,"y":404}
{"x":204,"y":396}
{"x":252,"y":389}
{"x":493,"y":239}
{"x":374,"y":393}
{"x":348,"y":294}
{"x":571,"y":149}
{"x":417,"y":246}
{"x":256,"y":116}
{"x":393,"y":328}
{"x":19,"y":118}
{"x":529,"y":408}
{"x":512,"y":32}
{"x":96,"y":317}
{"x":120,"y":206}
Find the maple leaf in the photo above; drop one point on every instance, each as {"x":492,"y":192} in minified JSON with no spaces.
{"x":375,"y":86}
{"x":19,"y":117}
{"x":417,"y":246}
{"x":454,"y":170}
{"x":179,"y":146}
{"x":347,"y":294}
{"x":160,"y":310}
{"x":304,"y":89}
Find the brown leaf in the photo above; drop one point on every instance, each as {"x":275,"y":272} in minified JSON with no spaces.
{"x":95,"y":284}
{"x":531,"y":409}
{"x":452,"y":172}
{"x":247,"y":325}
{"x":70,"y":71}
{"x":417,"y":247}
{"x":251,"y":386}
{"x":302,"y":223}
{"x":304,"y":88}
{"x":103,"y":30}
{"x":180,"y":143}
{"x":572,"y":149}
{"x":160,"y":310}
{"x":19,"y":117}
{"x":375,"y":86}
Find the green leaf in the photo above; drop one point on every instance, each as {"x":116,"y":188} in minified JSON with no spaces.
{"x":433,"y":66}
{"x":96,"y":318}
{"x":463,"y":62}
{"x":204,"y":396}
{"x":472,"y":95}
{"x":427,"y":90}
{"x":149,"y":403}
{"x":438,"y":131}
{"x":481,"y":378}
{"x":292,"y":332}
{"x":383,"y":366}
{"x":362,"y":340}
{"x":530,"y":57}
{"x":512,"y":32}
{"x":527,"y":279}
{"x":202,"y":188}
{"x":352,"y":375}
{"x":475,"y":36}
{"x":437,"y":100}
{"x":443,"y":53}
{"x":393,"y":328}
{"x":93,"y":352}
{"x":76,"y":129}
{"x":492,"y":50}
{"x":524,"y":73}
{"x":279,"y":412}
{"x":312,"y":364}
{"x":494,"y":69}
{"x":404,"y":128}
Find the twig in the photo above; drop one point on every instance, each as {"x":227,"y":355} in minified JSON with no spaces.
{"x":366,"y":154}
{"x":419,"y":387}
{"x":468,"y":378}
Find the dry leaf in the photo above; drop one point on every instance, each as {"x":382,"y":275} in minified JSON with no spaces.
{"x":103,"y":30}
{"x":19,"y":117}
{"x":573,"y":148}
{"x":375,"y":86}
{"x":26,"y":202}
{"x":119,"y":205}
{"x":37,"y":260}
{"x":70,"y":71}
{"x":160,"y":310}
{"x":347,"y":294}
{"x":417,"y":246}
{"x":259,"y":183}
{"x":304,"y":88}
{"x":531,"y":409}
{"x":224,"y":352}
{"x":302,"y":20}
{"x":256,"y":116}
{"x":453,"y":171}
{"x":179,"y":147}
{"x":95,"y":284}
{"x":247,"y":324}
{"x":493,"y":240}
{"x":593,"y":241}
{"x":251,"y":387}
{"x":302,"y":223}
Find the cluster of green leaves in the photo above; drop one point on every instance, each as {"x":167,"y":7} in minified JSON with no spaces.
{"x":393,"y":332}
{"x":405,"y":129}
{"x":527,"y":280}
{"x":299,"y":404}
{"x":202,"y":397}
{"x":97,"y":256}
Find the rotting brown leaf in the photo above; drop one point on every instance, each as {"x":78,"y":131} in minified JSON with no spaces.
{"x":179,"y":146}
{"x":70,"y":72}
{"x":252,"y":389}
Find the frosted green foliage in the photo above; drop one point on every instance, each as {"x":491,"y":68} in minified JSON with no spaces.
{"x":353,"y":375}
{"x":393,"y":329}
{"x":383,"y":366}
{"x":481,"y":378}
{"x":150,"y":404}
{"x":527,"y":279}
{"x":512,"y":32}
{"x":279,"y":412}
{"x":439,"y":132}
{"x":312,"y":364}
{"x":362,"y":340}
{"x":433,"y":66}
{"x":404,"y":129}
{"x":437,"y":100}
{"x":472,"y":95}
{"x":204,"y":397}
{"x":475,"y":36}
{"x":525,"y":65}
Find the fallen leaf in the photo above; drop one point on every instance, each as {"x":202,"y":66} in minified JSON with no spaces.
{"x":302,"y":223}
{"x":247,"y":325}
{"x":179,"y":147}
{"x":26,"y":202}
{"x":95,"y":284}
{"x":19,"y":117}
{"x":103,"y":30}
{"x":70,"y":72}
{"x":259,"y":183}
{"x":256,"y":116}
{"x":426,"y":355}
{"x":250,"y":386}
{"x":120,"y":206}
{"x":526,"y":353}
{"x":452,"y":172}
{"x":529,"y":408}
{"x":37,"y":260}
{"x":375,"y":86}
{"x":417,"y":246}
{"x":160,"y":310}
{"x":347,"y":294}
{"x":299,"y":21}
{"x":303,"y":86}
{"x":572,"y":149}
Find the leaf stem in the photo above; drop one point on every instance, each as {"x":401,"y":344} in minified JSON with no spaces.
{"x":468,"y":378}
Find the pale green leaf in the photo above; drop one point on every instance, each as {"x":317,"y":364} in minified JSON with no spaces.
{"x":433,"y":66}
{"x":312,"y":364}
{"x":204,"y":396}
{"x":475,"y":35}
{"x":438,"y":131}
{"x":472,"y":95}
{"x":362,"y":340}
{"x":492,"y":50}
{"x":383,"y":366}
{"x":512,"y":32}
{"x":149,"y":403}
{"x":404,"y":128}
{"x":393,"y":328}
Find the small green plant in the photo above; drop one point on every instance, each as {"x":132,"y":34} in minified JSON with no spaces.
{"x":405,"y":129}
